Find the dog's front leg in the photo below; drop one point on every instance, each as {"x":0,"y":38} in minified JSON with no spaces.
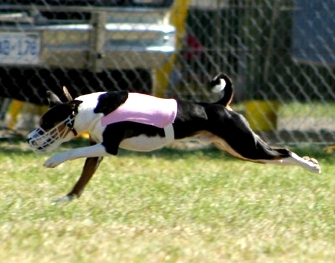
{"x":90,"y":166}
{"x":97,"y":150}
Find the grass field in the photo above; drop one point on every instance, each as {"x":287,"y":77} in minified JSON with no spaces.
{"x":166,"y":206}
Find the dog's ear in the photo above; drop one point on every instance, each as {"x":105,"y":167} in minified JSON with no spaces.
{"x":67,"y":94}
{"x":74,"y":105}
{"x":53,"y":99}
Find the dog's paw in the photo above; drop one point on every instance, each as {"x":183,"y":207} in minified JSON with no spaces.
{"x":63,"y":199}
{"x":313,"y":164}
{"x":55,"y":160}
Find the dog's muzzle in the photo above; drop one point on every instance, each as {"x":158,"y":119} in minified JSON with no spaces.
{"x":42,"y":141}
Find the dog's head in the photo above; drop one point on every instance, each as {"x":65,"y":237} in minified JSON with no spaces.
{"x":56,"y":125}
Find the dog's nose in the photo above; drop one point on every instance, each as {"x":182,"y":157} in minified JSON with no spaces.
{"x":30,"y":135}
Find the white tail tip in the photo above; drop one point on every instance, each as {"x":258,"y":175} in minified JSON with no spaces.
{"x":219,"y":87}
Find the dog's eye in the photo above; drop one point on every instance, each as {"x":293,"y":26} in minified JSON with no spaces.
{"x":46,"y":125}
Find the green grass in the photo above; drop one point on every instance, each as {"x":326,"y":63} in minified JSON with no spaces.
{"x":300,"y":110}
{"x":310,"y":110}
{"x":166,"y":206}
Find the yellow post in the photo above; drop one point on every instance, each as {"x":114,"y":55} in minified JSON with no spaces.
{"x":14,"y":110}
{"x":178,"y":18}
{"x":16,"y":107}
{"x":262,"y":115}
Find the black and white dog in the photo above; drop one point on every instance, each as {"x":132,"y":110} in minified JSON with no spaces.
{"x":137,"y":122}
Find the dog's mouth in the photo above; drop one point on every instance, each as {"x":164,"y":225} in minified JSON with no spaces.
{"x":42,"y":141}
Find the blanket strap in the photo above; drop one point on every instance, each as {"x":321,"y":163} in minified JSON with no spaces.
{"x":169,"y":133}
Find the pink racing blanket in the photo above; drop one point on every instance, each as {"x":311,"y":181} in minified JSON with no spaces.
{"x":144,"y":109}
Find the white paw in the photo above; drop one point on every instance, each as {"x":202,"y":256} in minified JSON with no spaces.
{"x":55,"y":160}
{"x":313,"y":164}
{"x":63,"y":199}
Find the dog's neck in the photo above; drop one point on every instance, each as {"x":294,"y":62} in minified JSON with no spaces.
{"x":86,"y":120}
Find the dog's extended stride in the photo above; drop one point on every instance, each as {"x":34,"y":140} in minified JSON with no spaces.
{"x":138,"y":122}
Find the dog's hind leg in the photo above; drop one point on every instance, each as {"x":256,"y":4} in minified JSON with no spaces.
{"x":305,"y":162}
{"x":271,"y":155}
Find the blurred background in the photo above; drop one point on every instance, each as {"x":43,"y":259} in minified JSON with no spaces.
{"x":279,"y":53}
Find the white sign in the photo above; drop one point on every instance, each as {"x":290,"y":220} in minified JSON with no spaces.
{"x":19,"y":48}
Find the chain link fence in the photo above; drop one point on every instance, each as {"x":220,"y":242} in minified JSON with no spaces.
{"x":279,"y":53}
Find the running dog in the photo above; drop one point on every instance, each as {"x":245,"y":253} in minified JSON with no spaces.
{"x":138,"y":122}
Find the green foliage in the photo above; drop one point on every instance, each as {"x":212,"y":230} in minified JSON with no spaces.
{"x":166,"y":206}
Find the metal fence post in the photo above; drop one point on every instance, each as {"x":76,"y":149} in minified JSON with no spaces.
{"x":97,"y":40}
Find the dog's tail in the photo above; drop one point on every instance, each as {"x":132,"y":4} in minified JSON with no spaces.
{"x":223,"y":84}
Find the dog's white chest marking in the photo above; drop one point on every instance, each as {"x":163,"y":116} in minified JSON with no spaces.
{"x":144,"y":109}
